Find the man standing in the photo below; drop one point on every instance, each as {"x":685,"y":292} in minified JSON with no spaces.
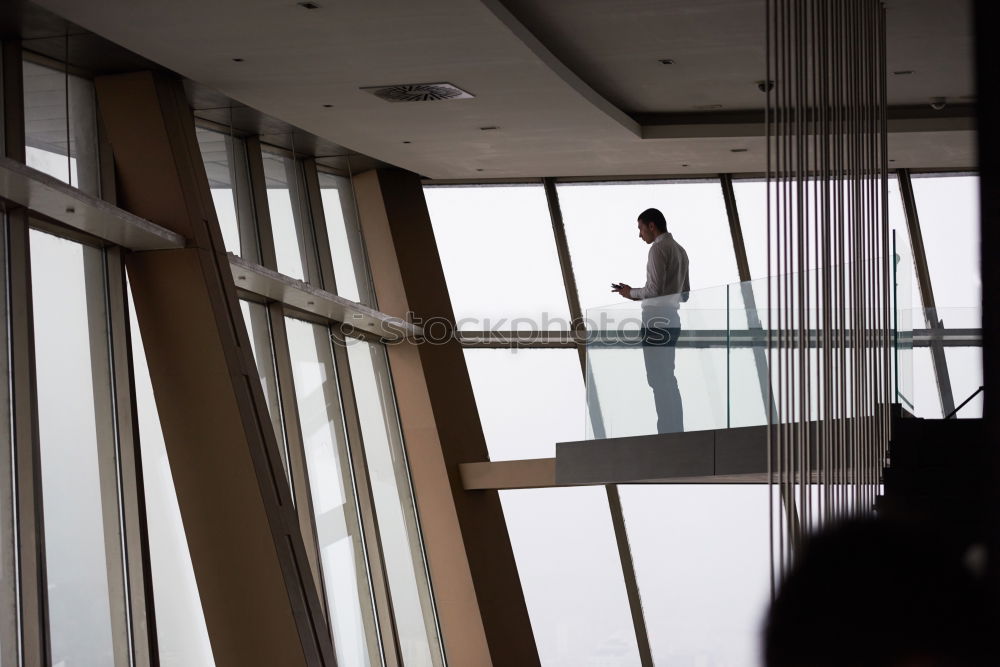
{"x":666,"y":286}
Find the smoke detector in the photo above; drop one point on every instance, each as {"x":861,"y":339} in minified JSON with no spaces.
{"x":419,"y":92}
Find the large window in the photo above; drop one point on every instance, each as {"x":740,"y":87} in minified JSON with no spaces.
{"x":948,"y":207}
{"x":344,"y":570}
{"x":567,"y":559}
{"x":528,"y":400}
{"x":181,"y":633}
{"x":84,"y":559}
{"x":399,"y":534}
{"x":291,"y":224}
{"x":229,"y":182}
{"x":701,"y":559}
{"x":499,"y":257}
{"x":350,"y":267}
{"x":60,"y":125}
{"x":258,"y":324}
{"x":604,"y":241}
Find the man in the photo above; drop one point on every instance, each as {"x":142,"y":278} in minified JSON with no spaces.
{"x":666,"y":286}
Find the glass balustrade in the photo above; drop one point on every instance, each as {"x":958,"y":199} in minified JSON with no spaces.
{"x":700,"y":360}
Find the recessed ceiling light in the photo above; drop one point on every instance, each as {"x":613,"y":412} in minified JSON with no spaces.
{"x":902,"y":72}
{"x":683,"y":165}
{"x":407,"y":142}
{"x":705,"y":107}
{"x":237,"y":60}
{"x":308,"y":5}
{"x":327,"y":106}
{"x":666,"y":61}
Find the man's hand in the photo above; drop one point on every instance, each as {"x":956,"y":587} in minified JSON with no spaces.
{"x":623,"y":289}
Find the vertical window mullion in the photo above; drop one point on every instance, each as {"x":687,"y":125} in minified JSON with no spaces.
{"x":133,"y":501}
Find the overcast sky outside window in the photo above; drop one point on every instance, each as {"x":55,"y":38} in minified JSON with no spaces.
{"x":499,"y":256}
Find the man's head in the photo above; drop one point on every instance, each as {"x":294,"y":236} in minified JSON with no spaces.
{"x":651,"y":224}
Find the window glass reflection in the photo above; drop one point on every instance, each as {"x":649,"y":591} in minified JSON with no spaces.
{"x":344,"y":235}
{"x":290,"y":222}
{"x":344,"y":572}
{"x":84,"y":563}
{"x":499,"y":257}
{"x":63,"y":146}
{"x":228,"y":180}
{"x":181,"y":633}
{"x":397,"y":522}
{"x":604,"y":241}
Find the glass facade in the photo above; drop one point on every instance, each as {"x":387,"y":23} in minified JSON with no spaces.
{"x":528,"y":400}
{"x":703,"y":604}
{"x":257,"y":320}
{"x":181,"y":633}
{"x":702,"y":565}
{"x":604,"y":241}
{"x":60,"y":126}
{"x":499,"y":257}
{"x":78,"y":455}
{"x":291,"y":224}
{"x":342,"y":555}
{"x":948,"y":207}
{"x":229,"y":182}
{"x":567,"y":560}
{"x":350,"y":266}
{"x":406,"y":570}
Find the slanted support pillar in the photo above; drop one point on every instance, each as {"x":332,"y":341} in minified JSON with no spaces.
{"x":260,"y":601}
{"x":480,"y":604}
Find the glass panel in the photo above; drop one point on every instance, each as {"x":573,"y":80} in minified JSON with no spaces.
{"x":965,"y":367}
{"x":948,"y":208}
{"x":499,"y":257}
{"x":528,"y":400}
{"x":290,"y":222}
{"x":257,"y":321}
{"x":59,"y":145}
{"x":77,"y":447}
{"x":331,"y":489}
{"x":751,"y":203}
{"x":701,"y":560}
{"x":349,"y":266}
{"x":567,"y":559}
{"x":673,"y":380}
{"x":601,"y":228}
{"x":181,"y":633}
{"x":399,"y":533}
{"x":228,"y":179}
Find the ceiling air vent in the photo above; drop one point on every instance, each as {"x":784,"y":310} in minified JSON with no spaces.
{"x":419,"y":92}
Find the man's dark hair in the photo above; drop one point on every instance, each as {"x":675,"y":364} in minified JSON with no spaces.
{"x":653,"y":215}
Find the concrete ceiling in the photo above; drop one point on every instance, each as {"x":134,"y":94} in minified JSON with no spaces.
{"x":573,"y":86}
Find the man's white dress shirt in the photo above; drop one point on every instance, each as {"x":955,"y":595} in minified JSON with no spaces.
{"x":666,"y":269}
